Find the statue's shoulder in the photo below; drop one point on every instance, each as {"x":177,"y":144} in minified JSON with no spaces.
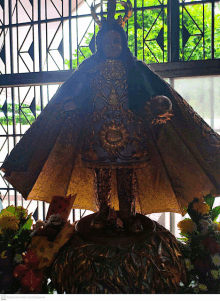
{"x":144,"y":66}
{"x":81,"y":72}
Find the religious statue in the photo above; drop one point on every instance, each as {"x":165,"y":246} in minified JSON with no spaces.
{"x":123,"y":141}
{"x":116,"y":130}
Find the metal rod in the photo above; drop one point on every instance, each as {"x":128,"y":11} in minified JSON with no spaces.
{"x":62,"y":39}
{"x":135,"y":27}
{"x":39,"y":35}
{"x":213,"y":31}
{"x":44,"y":211}
{"x":70,"y":35}
{"x":77,"y":33}
{"x":203,"y":29}
{"x":29,"y":203}
{"x":17,"y":37}
{"x":182,"y":36}
{"x":12,"y":89}
{"x":143,"y":30}
{"x":163,"y":34}
{"x":47,"y":46}
{"x":32,"y":22}
{"x":173,"y":30}
{"x":34,"y":67}
{"x":74,"y":216}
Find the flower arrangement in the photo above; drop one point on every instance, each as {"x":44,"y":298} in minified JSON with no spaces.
{"x":200,"y":245}
{"x":15,"y":236}
{"x":20,"y":252}
{"x":26,"y":254}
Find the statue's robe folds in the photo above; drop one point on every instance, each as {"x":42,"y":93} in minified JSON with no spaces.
{"x":180,"y":159}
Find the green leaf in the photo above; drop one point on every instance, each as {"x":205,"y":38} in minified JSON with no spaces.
{"x":28,"y":224}
{"x":209,"y":199}
{"x":10,"y":209}
{"x":215,"y":213}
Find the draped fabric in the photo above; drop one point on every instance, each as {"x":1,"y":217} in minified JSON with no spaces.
{"x":184,"y":157}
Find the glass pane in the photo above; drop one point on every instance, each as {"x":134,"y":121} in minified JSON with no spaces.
{"x":202,"y":93}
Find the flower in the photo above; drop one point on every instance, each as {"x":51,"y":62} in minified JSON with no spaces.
{"x":18,"y":258}
{"x":217,"y":226}
{"x":215,"y":274}
{"x":201,"y":207}
{"x":5,"y":213}
{"x":203,"y":287}
{"x":196,"y":290}
{"x":186,"y":226}
{"x":20,"y":212}
{"x":203,"y":265}
{"x":204,"y":225}
{"x":211,"y":245}
{"x":216,"y":260}
{"x":189,"y":265}
{"x":9,"y":221}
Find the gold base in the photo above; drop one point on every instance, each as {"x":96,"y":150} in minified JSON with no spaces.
{"x":111,"y":261}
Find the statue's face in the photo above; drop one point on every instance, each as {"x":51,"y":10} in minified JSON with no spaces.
{"x":112,"y":44}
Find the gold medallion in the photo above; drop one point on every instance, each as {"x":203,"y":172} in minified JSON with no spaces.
{"x":113,"y":137}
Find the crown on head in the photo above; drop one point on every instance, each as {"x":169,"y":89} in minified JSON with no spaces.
{"x":111,"y":7}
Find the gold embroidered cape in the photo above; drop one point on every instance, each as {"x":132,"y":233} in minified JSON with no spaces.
{"x":184,"y":157}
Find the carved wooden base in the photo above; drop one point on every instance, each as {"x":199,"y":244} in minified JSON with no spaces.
{"x":108,"y":261}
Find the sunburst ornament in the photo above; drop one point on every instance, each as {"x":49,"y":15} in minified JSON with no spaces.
{"x":113,"y":137}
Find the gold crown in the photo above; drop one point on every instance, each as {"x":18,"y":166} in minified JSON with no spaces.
{"x":111,"y":6}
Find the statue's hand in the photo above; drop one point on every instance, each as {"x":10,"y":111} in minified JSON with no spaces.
{"x":161,"y":108}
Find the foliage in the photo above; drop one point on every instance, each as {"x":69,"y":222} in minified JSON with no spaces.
{"x":148,"y":49}
{"x":200,"y":245}
{"x":23,"y":115}
{"x":84,"y":52}
{"x":15,"y":236}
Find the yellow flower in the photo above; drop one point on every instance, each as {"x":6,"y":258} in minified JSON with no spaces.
{"x":217,"y":226}
{"x":187,"y":226}
{"x":9,"y":221}
{"x":216,"y":260}
{"x":20,"y":212}
{"x":203,"y":287}
{"x":2,"y":255}
{"x":5,"y":213}
{"x":215,"y":274}
{"x":201,"y":207}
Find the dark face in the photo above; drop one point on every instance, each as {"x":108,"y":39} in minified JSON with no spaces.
{"x":112,"y":44}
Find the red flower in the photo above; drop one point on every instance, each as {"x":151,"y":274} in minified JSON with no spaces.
{"x":33,"y":280}
{"x":19,"y":271}
{"x":202,"y":265}
{"x":31,"y":259}
{"x":211,"y":245}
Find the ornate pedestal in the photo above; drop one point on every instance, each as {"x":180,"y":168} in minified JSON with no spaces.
{"x":108,"y":261}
